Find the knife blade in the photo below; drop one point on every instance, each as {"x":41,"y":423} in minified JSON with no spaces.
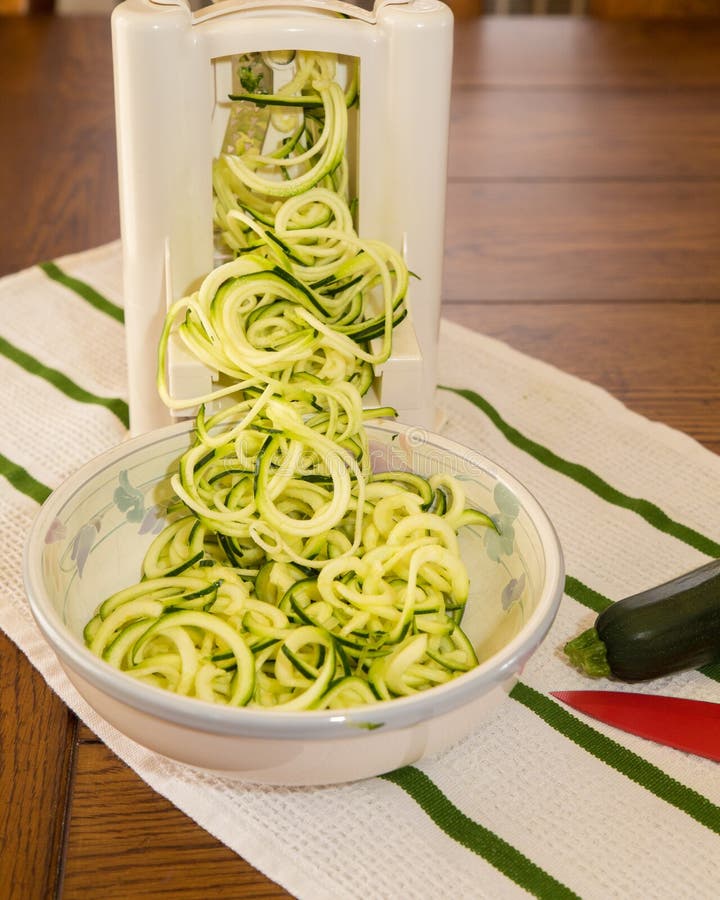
{"x":689,"y":725}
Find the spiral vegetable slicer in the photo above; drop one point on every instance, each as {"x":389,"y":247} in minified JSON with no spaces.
{"x":174,"y":70}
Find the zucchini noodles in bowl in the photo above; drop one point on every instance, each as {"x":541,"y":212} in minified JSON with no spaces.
{"x":172,"y":602}
{"x":285,"y":588}
{"x":291,"y":577}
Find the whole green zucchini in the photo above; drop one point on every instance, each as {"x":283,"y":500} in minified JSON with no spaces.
{"x":665,"y":629}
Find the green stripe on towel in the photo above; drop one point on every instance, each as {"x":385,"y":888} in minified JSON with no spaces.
{"x":68,"y":387}
{"x":93,"y":297}
{"x":593,"y":482}
{"x":480,"y":840}
{"x":711,"y":670}
{"x":587,"y":596}
{"x":23,"y":481}
{"x":620,"y":758}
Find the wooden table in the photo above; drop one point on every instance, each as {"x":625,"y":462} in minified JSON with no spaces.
{"x":583,"y":228}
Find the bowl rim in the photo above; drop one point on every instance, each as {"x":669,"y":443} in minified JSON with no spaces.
{"x":291,"y":724}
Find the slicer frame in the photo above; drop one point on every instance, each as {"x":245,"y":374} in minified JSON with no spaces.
{"x":169,"y":83}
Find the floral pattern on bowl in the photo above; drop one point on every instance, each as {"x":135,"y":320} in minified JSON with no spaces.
{"x":91,"y":535}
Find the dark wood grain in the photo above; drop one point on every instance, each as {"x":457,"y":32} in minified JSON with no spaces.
{"x":602,"y":134}
{"x":653,"y":9}
{"x":583,"y":240}
{"x":58,"y":179}
{"x":583,"y":228}
{"x":137,"y":844}
{"x":36,"y":752}
{"x":557,"y":51}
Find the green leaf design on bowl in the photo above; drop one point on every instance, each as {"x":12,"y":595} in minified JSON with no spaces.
{"x":501,"y":542}
{"x":129,"y":499}
{"x":513,"y":591}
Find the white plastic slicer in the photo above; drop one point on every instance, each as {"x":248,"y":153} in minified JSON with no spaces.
{"x":173,"y":73}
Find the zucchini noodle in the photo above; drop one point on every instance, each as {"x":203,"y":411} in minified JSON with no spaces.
{"x":290,"y":575}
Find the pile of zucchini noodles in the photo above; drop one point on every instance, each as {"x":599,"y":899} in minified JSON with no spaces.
{"x":290,"y":575}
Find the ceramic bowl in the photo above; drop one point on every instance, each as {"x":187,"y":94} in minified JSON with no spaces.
{"x":88,"y":541}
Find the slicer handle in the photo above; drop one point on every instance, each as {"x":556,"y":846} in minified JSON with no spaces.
{"x":225,"y":7}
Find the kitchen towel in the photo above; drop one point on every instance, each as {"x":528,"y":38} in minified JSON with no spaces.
{"x":537,"y":800}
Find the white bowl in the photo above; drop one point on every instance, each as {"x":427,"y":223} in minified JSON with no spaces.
{"x":90,"y":536}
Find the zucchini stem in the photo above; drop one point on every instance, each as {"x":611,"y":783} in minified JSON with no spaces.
{"x":588,"y":653}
